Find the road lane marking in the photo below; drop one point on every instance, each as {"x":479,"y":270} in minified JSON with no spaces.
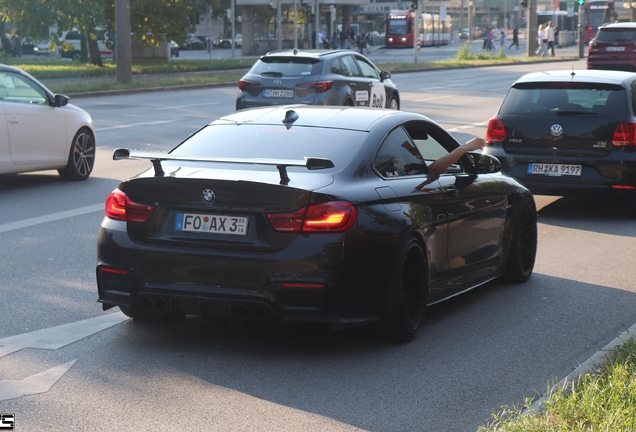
{"x":187,"y":106}
{"x":59,"y":336}
{"x":434,"y":98}
{"x":132,"y":125}
{"x":35,"y":384}
{"x":11,"y":226}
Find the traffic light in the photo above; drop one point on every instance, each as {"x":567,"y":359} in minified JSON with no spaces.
{"x":414,"y":5}
{"x":524,"y":3}
{"x":581,"y":2}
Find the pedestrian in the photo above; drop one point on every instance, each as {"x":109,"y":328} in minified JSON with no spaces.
{"x":345,"y":43}
{"x":542,"y":42}
{"x":491,"y":36}
{"x":502,"y":36}
{"x":550,"y":35}
{"x":515,"y":37}
{"x":320,"y":37}
{"x":363,"y":43}
{"x":335,"y":41}
{"x":484,"y":35}
{"x":556,"y":37}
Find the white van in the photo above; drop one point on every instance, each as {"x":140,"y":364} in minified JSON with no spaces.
{"x":72,"y":38}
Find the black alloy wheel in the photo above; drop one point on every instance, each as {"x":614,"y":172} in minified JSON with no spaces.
{"x":523,"y":246}
{"x":406,"y":303}
{"x":81,"y":157}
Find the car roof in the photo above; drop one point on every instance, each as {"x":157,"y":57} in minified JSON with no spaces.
{"x":351,"y":118}
{"x":584,"y":75}
{"x":629,"y":25}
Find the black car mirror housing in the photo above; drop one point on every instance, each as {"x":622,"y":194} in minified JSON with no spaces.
{"x":485,"y":163}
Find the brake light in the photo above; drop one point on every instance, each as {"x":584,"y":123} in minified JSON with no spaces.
{"x":114,"y":271}
{"x":120,"y":207}
{"x":624,"y":134}
{"x":242,"y":84}
{"x":496,"y":131}
{"x":320,"y":86}
{"x":334,"y":216}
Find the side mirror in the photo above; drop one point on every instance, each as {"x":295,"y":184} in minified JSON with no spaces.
{"x":61,"y":100}
{"x":385,"y":75}
{"x":485,"y":163}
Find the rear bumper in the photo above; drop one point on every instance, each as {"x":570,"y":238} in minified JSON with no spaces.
{"x":307,"y":282}
{"x":612,"y":174}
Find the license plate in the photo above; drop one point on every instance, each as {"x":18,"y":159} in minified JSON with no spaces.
{"x":214,"y":224}
{"x":556,"y":170}
{"x":278,"y":93}
{"x":619,"y":48}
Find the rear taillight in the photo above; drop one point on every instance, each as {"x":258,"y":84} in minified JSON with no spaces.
{"x":242,"y":84}
{"x":334,"y":216}
{"x":320,"y":86}
{"x":496,"y":131}
{"x":120,"y":207}
{"x":624,"y":134}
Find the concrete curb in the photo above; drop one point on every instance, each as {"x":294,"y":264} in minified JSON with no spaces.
{"x":589,"y":366}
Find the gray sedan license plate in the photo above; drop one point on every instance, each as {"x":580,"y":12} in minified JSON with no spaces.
{"x":278,"y":93}
{"x":556,"y":170}
{"x":214,"y":224}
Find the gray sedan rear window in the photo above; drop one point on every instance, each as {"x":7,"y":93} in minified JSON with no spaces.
{"x":287,"y":66}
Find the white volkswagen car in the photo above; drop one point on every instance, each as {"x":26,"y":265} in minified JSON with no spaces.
{"x":41,"y":130}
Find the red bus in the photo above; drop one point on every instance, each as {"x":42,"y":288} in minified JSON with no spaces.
{"x":597,"y":13}
{"x":432,"y":29}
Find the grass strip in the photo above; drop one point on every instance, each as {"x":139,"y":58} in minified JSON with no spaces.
{"x":602,"y":401}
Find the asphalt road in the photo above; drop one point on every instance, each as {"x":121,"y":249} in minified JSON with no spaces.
{"x":495,"y":345}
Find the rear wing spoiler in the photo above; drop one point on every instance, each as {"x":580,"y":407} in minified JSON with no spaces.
{"x":309,"y":162}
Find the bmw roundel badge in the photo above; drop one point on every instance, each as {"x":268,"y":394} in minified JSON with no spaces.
{"x":208,"y":195}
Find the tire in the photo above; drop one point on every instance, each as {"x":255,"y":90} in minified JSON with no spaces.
{"x":81,"y":157}
{"x":76,"y":56}
{"x":406,"y":297}
{"x":394,"y":104}
{"x":523,"y":245}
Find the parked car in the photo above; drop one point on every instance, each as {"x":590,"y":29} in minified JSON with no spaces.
{"x":226,"y":42}
{"x":194,"y":43}
{"x":45,"y":131}
{"x":568,"y":132}
{"x":339,"y":77}
{"x":464,"y":33}
{"x":43,"y":48}
{"x":311,"y":214}
{"x":613,"y":47}
{"x":71,"y":45}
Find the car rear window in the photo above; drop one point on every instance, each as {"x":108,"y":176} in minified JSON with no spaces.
{"x":273,"y":142}
{"x":616,"y":35}
{"x":568,"y":98}
{"x":287,"y":66}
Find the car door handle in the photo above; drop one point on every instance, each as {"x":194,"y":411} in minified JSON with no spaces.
{"x":13,"y":119}
{"x":352,"y":84}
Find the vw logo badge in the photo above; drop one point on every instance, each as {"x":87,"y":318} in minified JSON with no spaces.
{"x":556,"y":130}
{"x":208,"y":195}
{"x":278,"y":82}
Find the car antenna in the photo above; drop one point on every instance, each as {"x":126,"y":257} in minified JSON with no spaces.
{"x":573,"y":74}
{"x":290,"y":117}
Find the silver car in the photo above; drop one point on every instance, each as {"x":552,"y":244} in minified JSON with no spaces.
{"x":339,"y":77}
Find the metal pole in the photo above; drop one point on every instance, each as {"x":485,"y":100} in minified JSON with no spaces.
{"x":295,"y":24}
{"x":123,"y":41}
{"x":279,"y":30}
{"x":416,"y":31}
{"x":316,"y":22}
{"x":581,"y":31}
{"x":532,"y":29}
{"x":233,"y":30}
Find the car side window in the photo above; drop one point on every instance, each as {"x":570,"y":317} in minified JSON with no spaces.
{"x":336,"y":67}
{"x":350,"y":66}
{"x":15,"y":88}
{"x":398,"y":156}
{"x":368,"y":71}
{"x":432,"y":145}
